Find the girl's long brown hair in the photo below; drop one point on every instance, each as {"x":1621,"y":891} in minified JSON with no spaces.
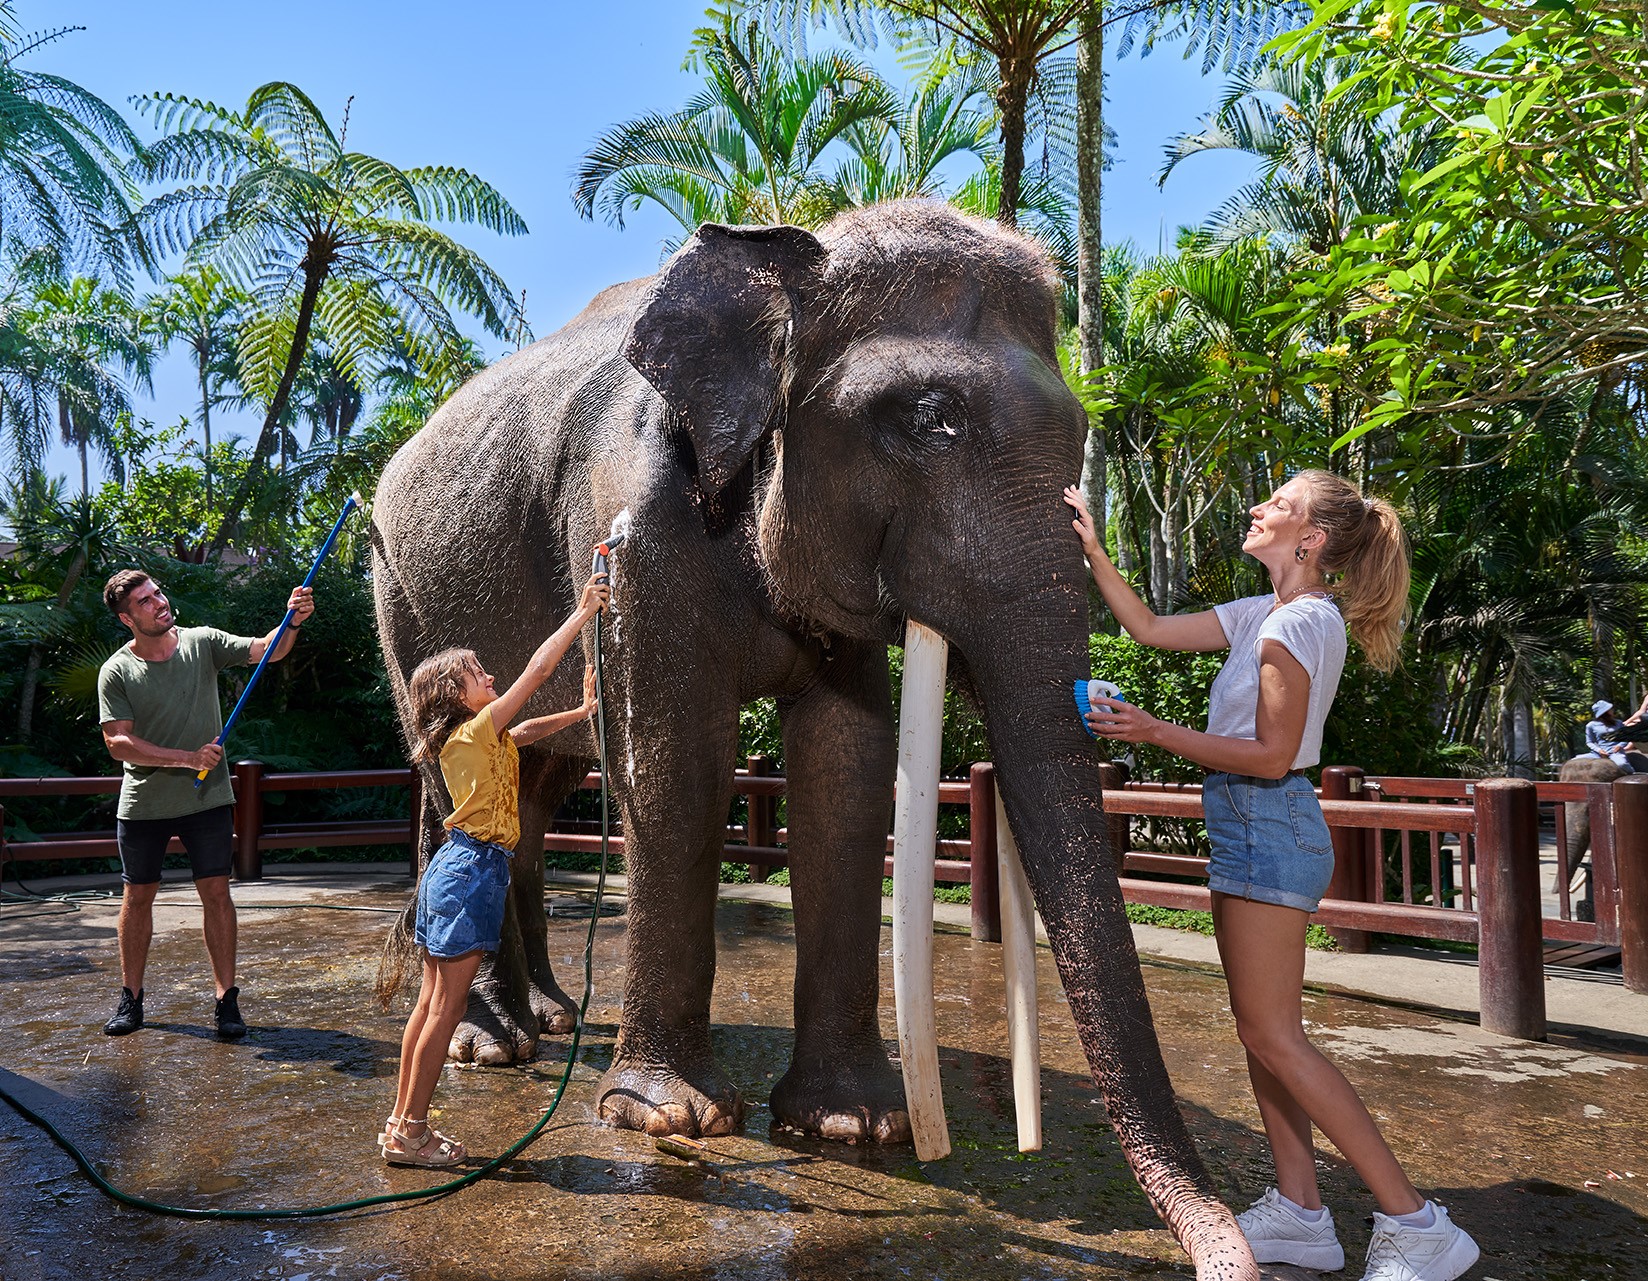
{"x":436,"y":694}
{"x":1366,"y":545}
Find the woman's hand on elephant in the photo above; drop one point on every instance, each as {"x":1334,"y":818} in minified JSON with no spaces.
{"x":1122,"y":722}
{"x":1083,"y":524}
{"x":597,"y":593}
{"x":588,"y":708}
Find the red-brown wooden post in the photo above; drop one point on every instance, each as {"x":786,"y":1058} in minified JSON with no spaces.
{"x":1510,"y":947}
{"x":983,"y":870}
{"x":1350,"y":853}
{"x":1117,"y":827}
{"x":1631,"y":864}
{"x":248,"y":820}
{"x":762,"y":828}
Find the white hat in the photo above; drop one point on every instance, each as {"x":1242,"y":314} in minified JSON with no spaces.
{"x":1600,"y":706}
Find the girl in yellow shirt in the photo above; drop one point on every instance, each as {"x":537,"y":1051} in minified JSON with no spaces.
{"x":461,"y":721}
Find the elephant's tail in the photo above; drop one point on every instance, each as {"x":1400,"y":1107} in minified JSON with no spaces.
{"x":397,"y":967}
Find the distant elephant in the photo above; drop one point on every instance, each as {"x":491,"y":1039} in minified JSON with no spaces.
{"x":1588,"y":767}
{"x":819,"y":436}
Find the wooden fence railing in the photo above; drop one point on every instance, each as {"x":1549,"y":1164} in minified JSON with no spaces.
{"x":1480,"y":839}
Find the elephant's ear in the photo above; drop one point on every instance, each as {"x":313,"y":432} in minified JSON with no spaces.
{"x":710,"y":336}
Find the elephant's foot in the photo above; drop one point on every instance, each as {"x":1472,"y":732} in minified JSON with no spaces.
{"x":697,"y":1101}
{"x":858,"y":1098}
{"x":491,"y":1035}
{"x":556,"y":1012}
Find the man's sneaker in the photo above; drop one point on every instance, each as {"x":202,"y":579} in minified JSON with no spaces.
{"x":229,"y":1024}
{"x":1278,"y":1235}
{"x":1398,"y":1252}
{"x":128,"y":1016}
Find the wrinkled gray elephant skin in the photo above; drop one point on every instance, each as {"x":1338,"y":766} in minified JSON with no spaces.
{"x":817,"y":437}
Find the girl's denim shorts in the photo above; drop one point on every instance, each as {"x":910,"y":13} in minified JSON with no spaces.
{"x":461,"y":897}
{"x":1270,"y":842}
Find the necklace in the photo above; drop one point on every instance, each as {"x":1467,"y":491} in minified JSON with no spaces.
{"x":1321,"y":591}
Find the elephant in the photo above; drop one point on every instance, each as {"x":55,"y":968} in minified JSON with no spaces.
{"x":1588,"y":767}
{"x":819,"y":436}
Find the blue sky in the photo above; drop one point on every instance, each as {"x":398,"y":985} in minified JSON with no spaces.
{"x":515,"y":92}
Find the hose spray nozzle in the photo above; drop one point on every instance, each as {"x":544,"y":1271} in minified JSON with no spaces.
{"x":610,"y":544}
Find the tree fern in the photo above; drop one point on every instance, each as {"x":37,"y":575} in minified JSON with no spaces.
{"x":270,"y":197}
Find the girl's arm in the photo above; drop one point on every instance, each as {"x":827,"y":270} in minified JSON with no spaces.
{"x":509,"y":703}
{"x":1199,"y":631}
{"x":1284,"y":698}
{"x":543,"y":726}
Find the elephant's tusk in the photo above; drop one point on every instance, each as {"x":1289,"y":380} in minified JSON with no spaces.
{"x":915,"y":831}
{"x":1018,"y":958}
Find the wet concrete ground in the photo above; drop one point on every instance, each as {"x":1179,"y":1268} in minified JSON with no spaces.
{"x":1540,"y":1150}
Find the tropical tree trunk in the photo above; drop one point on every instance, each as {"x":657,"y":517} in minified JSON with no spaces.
{"x":314,"y":277}
{"x":1012,"y":99}
{"x":206,"y":417}
{"x":1173,"y":538}
{"x":1159,"y":577}
{"x":1090,"y":243}
{"x":1523,"y":755}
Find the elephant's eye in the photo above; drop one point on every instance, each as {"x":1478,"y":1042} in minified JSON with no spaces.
{"x":930,"y":415}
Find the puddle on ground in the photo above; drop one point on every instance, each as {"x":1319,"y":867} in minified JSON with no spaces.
{"x":1538,"y":1149}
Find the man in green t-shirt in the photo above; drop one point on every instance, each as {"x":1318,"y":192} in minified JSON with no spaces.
{"x":158,"y":704}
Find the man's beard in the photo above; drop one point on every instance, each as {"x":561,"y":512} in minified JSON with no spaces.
{"x":156,"y":629}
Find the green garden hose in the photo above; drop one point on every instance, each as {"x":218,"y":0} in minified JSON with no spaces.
{"x":417,"y":1194}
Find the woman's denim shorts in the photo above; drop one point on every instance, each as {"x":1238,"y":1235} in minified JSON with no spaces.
{"x":1270,"y":842}
{"x":461,"y":897}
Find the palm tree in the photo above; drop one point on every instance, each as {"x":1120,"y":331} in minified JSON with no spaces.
{"x":1022,"y":38}
{"x":746,"y":148}
{"x":62,"y":185}
{"x":898,"y":156}
{"x":1180,"y":408}
{"x":92,"y":347}
{"x":1325,"y":162}
{"x":327,"y":398}
{"x":204,"y":311}
{"x":272,"y":200}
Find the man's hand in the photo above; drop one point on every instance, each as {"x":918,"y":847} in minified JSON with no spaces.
{"x":302,"y":604}
{"x":206,"y":758}
{"x":588,"y":709}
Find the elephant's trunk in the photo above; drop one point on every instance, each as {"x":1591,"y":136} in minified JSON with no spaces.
{"x":1046,"y":770}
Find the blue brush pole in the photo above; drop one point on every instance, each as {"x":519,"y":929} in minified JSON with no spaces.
{"x":354,"y":501}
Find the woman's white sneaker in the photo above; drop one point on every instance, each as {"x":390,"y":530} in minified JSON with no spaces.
{"x":1277,"y":1234}
{"x":1401,"y":1252}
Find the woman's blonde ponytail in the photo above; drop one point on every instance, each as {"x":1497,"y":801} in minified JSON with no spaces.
{"x":1366,"y":546}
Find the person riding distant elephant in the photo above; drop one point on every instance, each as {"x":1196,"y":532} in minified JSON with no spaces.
{"x":1589,"y":767}
{"x":819,"y":437}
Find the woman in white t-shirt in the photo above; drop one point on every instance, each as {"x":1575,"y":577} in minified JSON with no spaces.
{"x":1272,"y":855}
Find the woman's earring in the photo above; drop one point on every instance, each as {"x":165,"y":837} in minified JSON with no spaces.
{"x":1301,"y":553}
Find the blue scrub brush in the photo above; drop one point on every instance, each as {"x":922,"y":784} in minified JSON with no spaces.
{"x":1089,"y":692}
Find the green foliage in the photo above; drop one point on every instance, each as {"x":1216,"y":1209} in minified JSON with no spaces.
{"x":1169,"y":684}
{"x":1193,"y":922}
{"x":1518,"y":266}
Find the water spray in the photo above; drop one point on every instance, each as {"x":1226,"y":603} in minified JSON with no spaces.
{"x":610,"y":544}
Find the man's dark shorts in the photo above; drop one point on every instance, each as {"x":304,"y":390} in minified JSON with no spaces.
{"x":207,"y":836}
